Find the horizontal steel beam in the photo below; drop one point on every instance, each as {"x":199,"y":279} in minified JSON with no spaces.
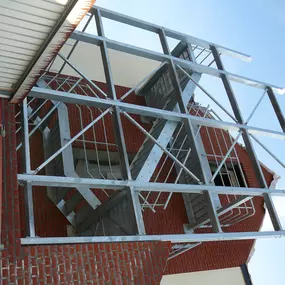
{"x":177,"y":238}
{"x":123,"y":47}
{"x":148,"y":111}
{"x":57,"y":181}
{"x":169,"y":33}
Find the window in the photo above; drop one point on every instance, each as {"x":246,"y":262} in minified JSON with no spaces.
{"x":229,"y":175}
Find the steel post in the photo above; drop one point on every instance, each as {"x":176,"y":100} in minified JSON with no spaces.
{"x":197,"y":149}
{"x":117,"y":124}
{"x":276,"y":107}
{"x":28,"y":189}
{"x":238,"y":115}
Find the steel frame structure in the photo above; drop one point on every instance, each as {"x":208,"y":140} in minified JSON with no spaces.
{"x":111,"y":105}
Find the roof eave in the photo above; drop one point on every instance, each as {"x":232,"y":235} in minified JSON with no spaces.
{"x":74,"y":11}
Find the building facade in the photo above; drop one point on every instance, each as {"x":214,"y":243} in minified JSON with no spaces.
{"x":111,"y":184}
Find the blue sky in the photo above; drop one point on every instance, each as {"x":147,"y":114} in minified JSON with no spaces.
{"x":254,"y":27}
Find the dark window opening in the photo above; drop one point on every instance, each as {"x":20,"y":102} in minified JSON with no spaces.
{"x":228,"y":176}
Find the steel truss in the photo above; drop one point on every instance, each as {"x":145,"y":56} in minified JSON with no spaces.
{"x":111,"y":105}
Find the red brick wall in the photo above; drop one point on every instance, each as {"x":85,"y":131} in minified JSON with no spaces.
{"x":208,"y":255}
{"x":116,"y":263}
{"x":211,"y":255}
{"x":50,"y":222}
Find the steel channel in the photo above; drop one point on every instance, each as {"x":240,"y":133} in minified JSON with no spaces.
{"x":175,"y":238}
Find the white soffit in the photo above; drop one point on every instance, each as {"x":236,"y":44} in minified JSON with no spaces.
{"x":31,"y":33}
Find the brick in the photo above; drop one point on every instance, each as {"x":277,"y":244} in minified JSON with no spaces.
{"x":116,"y":263}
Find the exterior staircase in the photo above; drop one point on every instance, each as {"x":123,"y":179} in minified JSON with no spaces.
{"x":79,"y":205}
{"x":115,"y":216}
{"x":159,"y":93}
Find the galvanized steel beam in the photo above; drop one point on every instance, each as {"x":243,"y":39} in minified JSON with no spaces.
{"x":276,"y":107}
{"x":127,"y":48}
{"x":228,"y":207}
{"x":148,"y":111}
{"x":59,"y":151}
{"x":165,"y":136}
{"x":268,"y":151}
{"x":117,"y":124}
{"x":57,"y":181}
{"x":178,"y":162}
{"x":238,"y":115}
{"x":29,"y":209}
{"x":170,"y":33}
{"x":28,"y":189}
{"x":272,"y":212}
{"x":175,"y":238}
{"x":25,"y":142}
{"x":247,"y":140}
{"x":197,"y":150}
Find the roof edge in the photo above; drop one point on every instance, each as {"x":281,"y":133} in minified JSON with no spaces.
{"x":71,"y":16}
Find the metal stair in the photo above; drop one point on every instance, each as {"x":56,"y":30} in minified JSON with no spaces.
{"x":65,"y":199}
{"x":79,"y":205}
{"x":195,"y":204}
{"x":158,"y":93}
{"x":114,"y":217}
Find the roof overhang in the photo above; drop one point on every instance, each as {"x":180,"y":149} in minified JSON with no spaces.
{"x":31,"y":34}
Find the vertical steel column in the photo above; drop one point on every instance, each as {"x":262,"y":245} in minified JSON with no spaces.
{"x":276,"y":107}
{"x":197,"y":147}
{"x":272,"y":212}
{"x":249,"y":147}
{"x":238,"y":115}
{"x":117,"y":123}
{"x":213,"y":215}
{"x":191,"y":53}
{"x":126,"y":174}
{"x":173,"y":74}
{"x":25,"y":132}
{"x":28,"y":190}
{"x":137,"y":211}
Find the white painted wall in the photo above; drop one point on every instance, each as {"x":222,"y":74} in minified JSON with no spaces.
{"x":225,"y":276}
{"x":127,"y":69}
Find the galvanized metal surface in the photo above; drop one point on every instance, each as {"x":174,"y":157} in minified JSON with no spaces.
{"x":179,"y":238}
{"x":56,"y":181}
{"x":151,"y":112}
{"x":177,"y":115}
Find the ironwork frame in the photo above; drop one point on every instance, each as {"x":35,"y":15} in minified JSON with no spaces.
{"x":115,"y":107}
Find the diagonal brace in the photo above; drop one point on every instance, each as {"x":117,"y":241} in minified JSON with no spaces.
{"x":159,"y":145}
